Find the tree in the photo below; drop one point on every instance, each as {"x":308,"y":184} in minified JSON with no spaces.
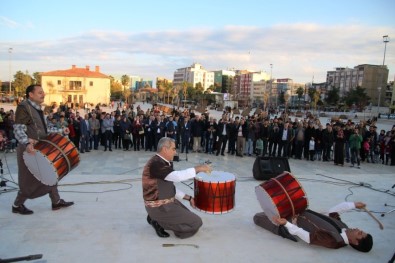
{"x":125,"y":80}
{"x":265,"y":100}
{"x":300,"y":92}
{"x":333,"y":97}
{"x":286,"y":98}
{"x":316,"y":97}
{"x":37,"y":78}
{"x":115,"y":88}
{"x":185,"y":91}
{"x":167,"y":90}
{"x":358,"y":97}
{"x":21,"y":82}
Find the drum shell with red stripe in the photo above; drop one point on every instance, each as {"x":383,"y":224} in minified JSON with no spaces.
{"x":215,"y":192}
{"x":54,"y":158}
{"x":282,"y":196}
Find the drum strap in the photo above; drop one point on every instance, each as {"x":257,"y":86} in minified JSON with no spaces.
{"x":286,"y":193}
{"x":64,"y":155}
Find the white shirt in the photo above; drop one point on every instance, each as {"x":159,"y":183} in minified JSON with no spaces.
{"x":179,"y":176}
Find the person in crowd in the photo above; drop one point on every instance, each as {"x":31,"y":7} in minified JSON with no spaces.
{"x":339,"y":146}
{"x":274,"y":138}
{"x":355,"y":146}
{"x":85,"y":133}
{"x":137,"y":132}
{"x":94,"y":125}
{"x":126,"y":128}
{"x":185,"y":134}
{"x":107,"y":129}
{"x":327,"y":142}
{"x":117,"y":139}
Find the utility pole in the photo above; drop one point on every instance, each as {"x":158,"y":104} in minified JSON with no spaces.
{"x":271,"y":84}
{"x":10,"y":52}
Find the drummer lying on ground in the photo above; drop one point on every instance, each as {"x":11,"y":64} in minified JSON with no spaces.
{"x":318,"y":229}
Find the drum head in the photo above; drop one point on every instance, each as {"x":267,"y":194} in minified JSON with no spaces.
{"x":39,"y":165}
{"x":266,"y":203}
{"x":215,"y":176}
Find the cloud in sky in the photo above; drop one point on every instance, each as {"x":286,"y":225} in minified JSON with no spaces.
{"x":297,"y":51}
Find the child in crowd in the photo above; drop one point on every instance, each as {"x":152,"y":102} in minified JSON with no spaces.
{"x":312,"y":148}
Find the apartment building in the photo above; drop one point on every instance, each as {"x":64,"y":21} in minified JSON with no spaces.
{"x":193,"y":75}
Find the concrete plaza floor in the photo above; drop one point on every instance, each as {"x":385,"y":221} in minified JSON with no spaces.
{"x":108,"y":221}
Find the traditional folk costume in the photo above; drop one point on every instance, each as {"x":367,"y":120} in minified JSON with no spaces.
{"x":160,"y":197}
{"x":314,"y":228}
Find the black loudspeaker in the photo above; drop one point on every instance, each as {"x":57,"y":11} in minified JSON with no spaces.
{"x":268,"y":167}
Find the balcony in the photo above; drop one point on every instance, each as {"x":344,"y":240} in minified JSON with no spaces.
{"x":73,"y":89}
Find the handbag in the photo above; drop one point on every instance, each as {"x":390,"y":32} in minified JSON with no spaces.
{"x":126,"y":136}
{"x":141,"y":131}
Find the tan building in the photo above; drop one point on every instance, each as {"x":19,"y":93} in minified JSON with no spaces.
{"x":373,"y":78}
{"x":76,"y":86}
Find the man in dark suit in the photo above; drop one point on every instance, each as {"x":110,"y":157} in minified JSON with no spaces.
{"x":222,"y":133}
{"x":319,"y":229}
{"x":185,"y":134}
{"x":85,"y":134}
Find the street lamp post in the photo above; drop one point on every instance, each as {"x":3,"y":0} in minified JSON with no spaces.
{"x":378,"y":103}
{"x":10,"y":52}
{"x":386,"y":39}
{"x":271,"y":84}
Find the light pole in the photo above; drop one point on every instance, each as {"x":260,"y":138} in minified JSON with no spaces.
{"x":271,"y":84}
{"x":378,"y":103}
{"x":10,"y":52}
{"x":386,"y":39}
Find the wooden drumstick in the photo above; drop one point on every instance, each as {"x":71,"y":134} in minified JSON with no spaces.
{"x":378,"y":221}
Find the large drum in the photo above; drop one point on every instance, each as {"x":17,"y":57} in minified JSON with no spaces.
{"x":282,"y":196}
{"x":54,"y":158}
{"x":215,"y":192}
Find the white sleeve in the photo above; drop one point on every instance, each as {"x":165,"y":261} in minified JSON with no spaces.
{"x":179,"y":194}
{"x":179,"y":176}
{"x":299,"y":232}
{"x":342,"y":207}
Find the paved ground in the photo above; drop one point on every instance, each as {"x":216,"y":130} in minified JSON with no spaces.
{"x":108,"y":221}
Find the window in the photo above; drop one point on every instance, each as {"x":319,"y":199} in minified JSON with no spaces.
{"x":59,"y":82}
{"x":75,"y":85}
{"x":91,"y":83}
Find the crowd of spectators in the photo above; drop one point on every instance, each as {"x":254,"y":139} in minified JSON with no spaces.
{"x":128,"y":128}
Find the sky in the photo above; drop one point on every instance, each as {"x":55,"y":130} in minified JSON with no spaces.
{"x":302,"y":40}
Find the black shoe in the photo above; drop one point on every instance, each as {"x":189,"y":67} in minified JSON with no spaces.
{"x":149,"y":220}
{"x":61,"y":204}
{"x":283,"y":231}
{"x":159,"y":230}
{"x":22,"y":210}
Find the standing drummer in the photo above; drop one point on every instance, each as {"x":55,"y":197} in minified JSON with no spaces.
{"x":30,"y":127}
{"x":319,"y":229}
{"x":161,"y":196}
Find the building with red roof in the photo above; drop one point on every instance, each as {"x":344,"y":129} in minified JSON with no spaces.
{"x":76,"y":86}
